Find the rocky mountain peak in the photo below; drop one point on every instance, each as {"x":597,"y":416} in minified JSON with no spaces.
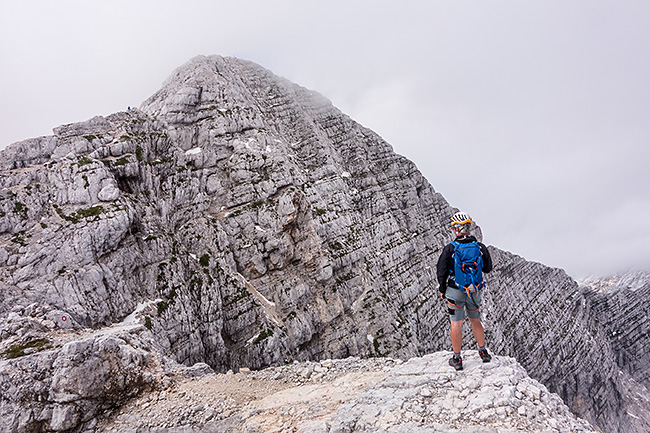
{"x":239,"y":220}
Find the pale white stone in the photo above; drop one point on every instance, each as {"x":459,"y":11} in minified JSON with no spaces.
{"x":522,"y":410}
{"x":109,"y":193}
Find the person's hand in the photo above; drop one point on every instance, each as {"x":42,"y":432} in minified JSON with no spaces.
{"x":442,"y":296}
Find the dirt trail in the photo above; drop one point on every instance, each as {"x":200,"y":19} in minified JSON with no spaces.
{"x":293,"y":398}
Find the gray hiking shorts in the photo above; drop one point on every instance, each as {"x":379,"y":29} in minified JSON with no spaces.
{"x":458,"y":303}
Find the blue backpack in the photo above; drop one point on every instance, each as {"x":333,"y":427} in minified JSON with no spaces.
{"x":468,"y":267}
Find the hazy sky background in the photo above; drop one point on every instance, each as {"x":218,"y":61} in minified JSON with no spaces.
{"x":532,"y":116}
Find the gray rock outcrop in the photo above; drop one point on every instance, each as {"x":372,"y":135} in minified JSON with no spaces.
{"x":349,"y":395}
{"x":59,"y":390}
{"x":424,"y":395}
{"x":243,"y":221}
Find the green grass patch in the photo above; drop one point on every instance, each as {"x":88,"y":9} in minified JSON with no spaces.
{"x":75,"y":217}
{"x":122,"y":161}
{"x":18,"y":350}
{"x":21,"y":209}
{"x":84,"y":160}
{"x":91,"y":211}
{"x":19,"y":238}
{"x":162,"y":307}
{"x":263,"y":335}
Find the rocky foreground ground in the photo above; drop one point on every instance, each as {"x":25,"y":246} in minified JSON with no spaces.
{"x":349,"y":395}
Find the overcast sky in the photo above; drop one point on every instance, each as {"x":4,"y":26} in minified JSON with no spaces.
{"x":532,"y":116}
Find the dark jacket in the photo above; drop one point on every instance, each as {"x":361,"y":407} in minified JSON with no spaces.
{"x":446,"y":262}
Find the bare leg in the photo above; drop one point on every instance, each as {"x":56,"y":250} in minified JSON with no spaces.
{"x":457,"y":335}
{"x":477,"y":330}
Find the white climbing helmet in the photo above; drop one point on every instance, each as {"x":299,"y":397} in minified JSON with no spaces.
{"x":460,"y":218}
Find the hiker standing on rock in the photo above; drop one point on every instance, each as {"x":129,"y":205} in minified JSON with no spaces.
{"x":460,"y":276}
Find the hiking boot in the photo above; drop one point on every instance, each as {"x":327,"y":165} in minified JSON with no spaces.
{"x":457,"y":363}
{"x":485,"y":356}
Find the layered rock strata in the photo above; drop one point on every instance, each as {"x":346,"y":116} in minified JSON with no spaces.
{"x":249,"y":223}
{"x":620,"y":306}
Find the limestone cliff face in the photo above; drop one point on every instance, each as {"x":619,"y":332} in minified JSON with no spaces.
{"x":247,"y":222}
{"x":618,"y":304}
{"x":539,"y":315}
{"x":263,"y":223}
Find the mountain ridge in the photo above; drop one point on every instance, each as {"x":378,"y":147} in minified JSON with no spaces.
{"x":256,"y":225}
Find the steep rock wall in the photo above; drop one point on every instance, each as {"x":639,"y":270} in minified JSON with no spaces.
{"x":538,"y":315}
{"x":618,"y":304}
